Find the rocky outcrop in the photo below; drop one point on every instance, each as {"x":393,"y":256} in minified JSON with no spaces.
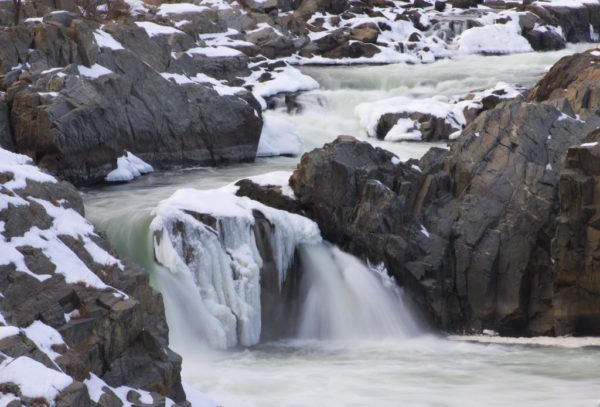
{"x":498,"y":233}
{"x":578,"y":23}
{"x":107,"y":95}
{"x":576,"y":301}
{"x":71,"y":312}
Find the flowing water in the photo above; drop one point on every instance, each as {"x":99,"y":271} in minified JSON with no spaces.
{"x":357,"y":341}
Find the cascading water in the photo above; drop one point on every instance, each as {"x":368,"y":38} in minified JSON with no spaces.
{"x":221,"y":253}
{"x":343,"y":299}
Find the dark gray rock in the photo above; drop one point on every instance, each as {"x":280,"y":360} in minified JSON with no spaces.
{"x":123,"y":340}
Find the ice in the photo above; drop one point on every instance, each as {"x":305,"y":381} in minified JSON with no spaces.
{"x":225,"y":262}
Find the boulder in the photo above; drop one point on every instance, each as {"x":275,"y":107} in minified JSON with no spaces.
{"x":77,"y":125}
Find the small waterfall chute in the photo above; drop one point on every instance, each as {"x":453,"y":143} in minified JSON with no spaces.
{"x":342,"y":298}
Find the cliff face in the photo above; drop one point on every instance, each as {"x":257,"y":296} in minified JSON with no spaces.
{"x":497,"y":233}
{"x":78,"y":326}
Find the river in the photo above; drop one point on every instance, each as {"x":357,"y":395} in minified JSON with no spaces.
{"x":405,"y":367}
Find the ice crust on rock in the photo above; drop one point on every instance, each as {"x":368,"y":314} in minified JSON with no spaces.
{"x":210,"y":236}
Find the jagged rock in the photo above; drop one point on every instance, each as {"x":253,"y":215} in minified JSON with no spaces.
{"x":575,"y":245}
{"x":270,"y":43}
{"x":573,"y":80}
{"x":467,"y":232}
{"x":575,"y":22}
{"x":109,"y":334}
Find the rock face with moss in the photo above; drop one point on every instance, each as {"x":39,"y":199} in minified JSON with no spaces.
{"x":78,"y":325}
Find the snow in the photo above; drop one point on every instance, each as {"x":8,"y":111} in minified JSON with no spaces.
{"x":276,"y":178}
{"x":179,"y":8}
{"x":105,"y":40}
{"x":95,"y":386}
{"x":594,"y":144}
{"x":396,"y":160}
{"x":128,"y":167}
{"x":137,"y":7}
{"x":153,"y":29}
{"x":278,"y":137}
{"x":565,"y":3}
{"x":225,"y":263}
{"x":65,"y":222}
{"x":95,"y":71}
{"x":213,"y":52}
{"x":8,"y":331}
{"x":33,"y":378}
{"x":406,"y":128}
{"x":286,"y":79}
{"x":44,"y":336}
{"x":493,"y":39}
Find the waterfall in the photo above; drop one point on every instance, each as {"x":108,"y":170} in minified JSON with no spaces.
{"x":235,"y":272}
{"x":342,"y":298}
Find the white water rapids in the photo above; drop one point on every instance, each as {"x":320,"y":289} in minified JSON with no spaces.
{"x":357,"y":343}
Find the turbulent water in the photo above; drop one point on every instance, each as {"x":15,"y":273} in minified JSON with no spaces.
{"x":357,"y":341}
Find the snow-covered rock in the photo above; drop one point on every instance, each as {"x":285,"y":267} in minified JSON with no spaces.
{"x":68,"y":306}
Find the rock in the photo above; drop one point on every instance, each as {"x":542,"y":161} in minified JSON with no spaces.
{"x":72,"y":130}
{"x":6,"y":137}
{"x":544,"y":40}
{"x":575,"y":22}
{"x":465,"y":3}
{"x":432,"y":128}
{"x":118,"y":330}
{"x":468,"y":232}
{"x":365,"y":33}
{"x":270,"y":43}
{"x":575,"y":244}
{"x":572,"y":79}
{"x":260,"y":6}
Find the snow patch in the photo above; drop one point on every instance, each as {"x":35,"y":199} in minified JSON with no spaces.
{"x":278,"y":137}
{"x":128,"y":167}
